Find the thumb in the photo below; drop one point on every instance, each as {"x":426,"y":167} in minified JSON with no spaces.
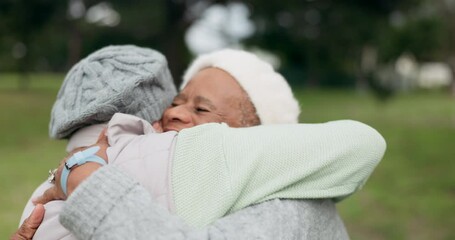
{"x":29,"y":226}
{"x":36,"y":217}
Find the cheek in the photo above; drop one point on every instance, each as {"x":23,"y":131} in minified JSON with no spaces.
{"x":233,"y":122}
{"x":208,"y":118}
{"x":234,"y":118}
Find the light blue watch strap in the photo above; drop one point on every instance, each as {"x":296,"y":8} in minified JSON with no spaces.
{"x":79,"y":158}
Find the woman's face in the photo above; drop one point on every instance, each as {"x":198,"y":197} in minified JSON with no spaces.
{"x":212,"y":95}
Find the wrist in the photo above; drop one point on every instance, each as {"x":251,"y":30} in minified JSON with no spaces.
{"x":79,"y":173}
{"x":77,"y":161}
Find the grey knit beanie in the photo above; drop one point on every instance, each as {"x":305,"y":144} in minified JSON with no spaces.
{"x":126,"y":79}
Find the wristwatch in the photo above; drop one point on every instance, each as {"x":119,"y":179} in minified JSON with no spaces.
{"x":79,"y":158}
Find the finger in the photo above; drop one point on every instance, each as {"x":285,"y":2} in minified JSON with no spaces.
{"x":157,"y":126}
{"x":49,"y":195}
{"x":36,"y":217}
{"x":103,"y":143}
{"x":102,"y":138}
{"x":31,"y":224}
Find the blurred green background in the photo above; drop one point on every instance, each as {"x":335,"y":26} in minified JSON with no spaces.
{"x":387,"y":63}
{"x":409,"y":196}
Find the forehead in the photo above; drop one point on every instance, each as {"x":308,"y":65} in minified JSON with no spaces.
{"x":213,"y":81}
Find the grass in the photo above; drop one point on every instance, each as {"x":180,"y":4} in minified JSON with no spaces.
{"x":26,"y":152}
{"x":411,"y":195}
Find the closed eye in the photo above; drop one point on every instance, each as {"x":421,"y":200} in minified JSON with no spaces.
{"x":202,"y":109}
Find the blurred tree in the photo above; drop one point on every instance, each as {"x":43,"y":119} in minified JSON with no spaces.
{"x":320,"y":43}
{"x":156,"y":24}
{"x":427,"y":31}
{"x":448,"y":9}
{"x":323,"y":40}
{"x":53,"y":35}
{"x":22,"y":21}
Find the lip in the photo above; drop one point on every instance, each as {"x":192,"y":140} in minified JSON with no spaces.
{"x":166,"y":129}
{"x":170,"y":129}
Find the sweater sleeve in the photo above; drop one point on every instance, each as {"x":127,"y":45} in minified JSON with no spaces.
{"x":232,"y":168}
{"x":110,"y":205}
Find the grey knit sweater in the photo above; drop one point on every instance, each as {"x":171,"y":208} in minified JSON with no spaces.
{"x":122,"y":209}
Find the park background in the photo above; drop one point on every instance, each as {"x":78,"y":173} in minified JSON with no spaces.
{"x":387,"y":63}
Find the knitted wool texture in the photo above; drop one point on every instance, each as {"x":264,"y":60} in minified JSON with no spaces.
{"x":267,"y":89}
{"x":126,"y":79}
{"x":245,"y":166}
{"x":122,"y":209}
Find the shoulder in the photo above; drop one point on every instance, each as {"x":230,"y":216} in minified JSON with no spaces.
{"x":289,"y":219}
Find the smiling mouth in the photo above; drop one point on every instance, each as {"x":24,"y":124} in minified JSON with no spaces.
{"x":167,"y":129}
{"x":170,"y":129}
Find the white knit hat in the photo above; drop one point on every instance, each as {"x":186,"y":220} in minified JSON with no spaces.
{"x":268,"y":90}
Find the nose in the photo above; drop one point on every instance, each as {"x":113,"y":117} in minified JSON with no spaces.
{"x":178,"y":115}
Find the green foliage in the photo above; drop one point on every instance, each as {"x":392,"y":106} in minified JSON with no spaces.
{"x":409,"y":196}
{"x":319,"y":42}
{"x":425,"y":38}
{"x":24,"y":22}
{"x":324,"y":39}
{"x":54,"y":41}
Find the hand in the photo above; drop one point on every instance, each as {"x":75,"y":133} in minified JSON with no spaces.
{"x":157,"y":126}
{"x":76,"y":175}
{"x":29,"y":226}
